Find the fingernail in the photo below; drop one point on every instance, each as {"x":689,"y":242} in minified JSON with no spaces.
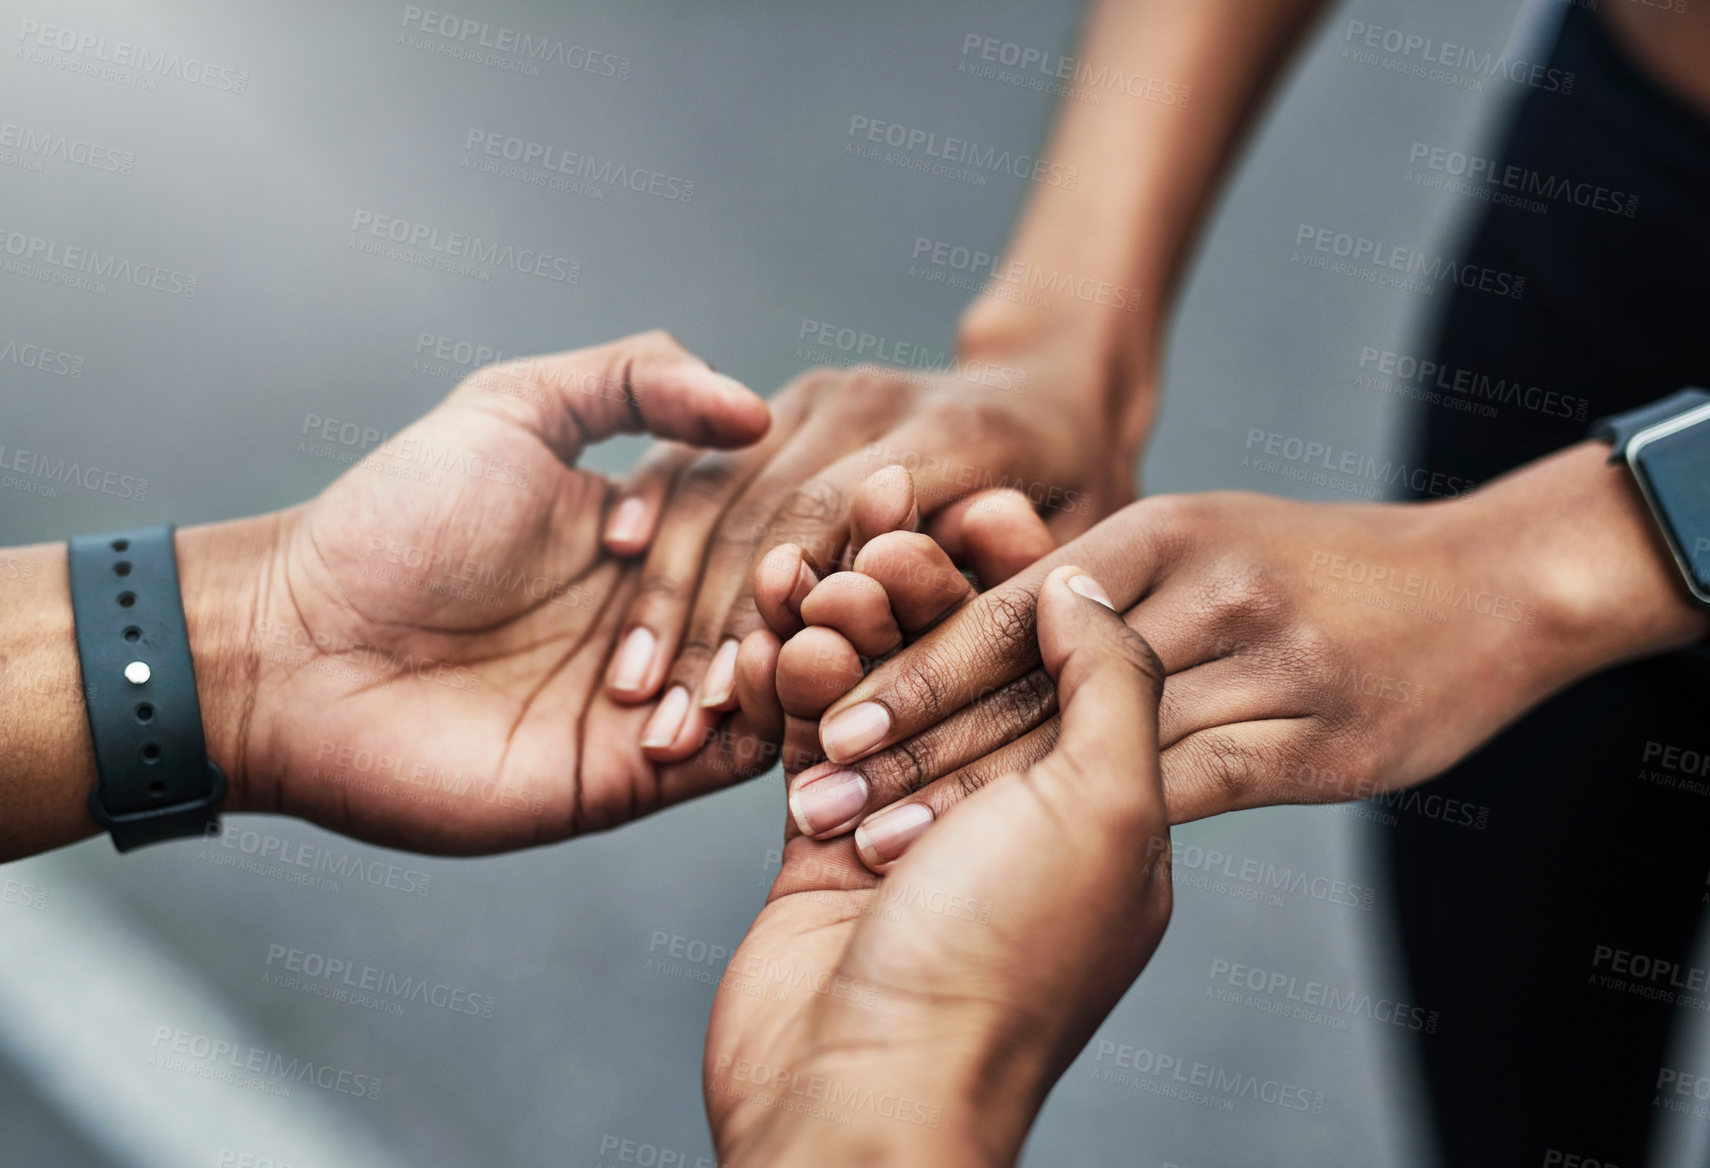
{"x":828,"y":801}
{"x":883,"y":837}
{"x":721,"y":676}
{"x":628,"y":522}
{"x":806,"y":581}
{"x":1091,"y":589}
{"x":629,"y":671}
{"x":667,"y":719}
{"x":855,"y":731}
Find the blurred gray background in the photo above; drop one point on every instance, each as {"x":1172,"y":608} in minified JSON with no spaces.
{"x":592,"y":1056}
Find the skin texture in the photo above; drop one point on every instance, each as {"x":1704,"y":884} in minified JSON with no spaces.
{"x":1297,"y":673}
{"x":953,"y":992}
{"x":413,"y":657}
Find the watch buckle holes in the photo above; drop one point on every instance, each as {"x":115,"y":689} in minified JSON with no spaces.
{"x":151,"y":753}
{"x":120,"y":545}
{"x":133,"y":634}
{"x":156,"y":789}
{"x":122,"y":568}
{"x":126,"y":599}
{"x":145,"y":712}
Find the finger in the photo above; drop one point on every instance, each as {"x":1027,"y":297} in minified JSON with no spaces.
{"x":800,"y":750}
{"x":718,"y":687}
{"x":815,"y":668}
{"x":776,"y":499}
{"x":988,"y":642}
{"x":996,"y":533}
{"x":1225,"y":692}
{"x":947,"y":751}
{"x":631,"y":522}
{"x":646,"y":382}
{"x":731,"y":753}
{"x":671,"y":574}
{"x":1108,"y":686}
{"x":756,"y":684}
{"x":884,"y":502}
{"x":882,"y":838}
{"x":782,"y":580}
{"x":917,"y":577}
{"x":1230,"y":768}
{"x":690,"y":564}
{"x":857,"y":607}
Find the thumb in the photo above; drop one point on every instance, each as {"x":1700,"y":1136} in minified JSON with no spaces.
{"x":643,"y":383}
{"x":1108,"y":684}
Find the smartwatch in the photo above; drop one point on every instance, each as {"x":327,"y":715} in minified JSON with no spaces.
{"x":1667,"y":445}
{"x":154,"y":779}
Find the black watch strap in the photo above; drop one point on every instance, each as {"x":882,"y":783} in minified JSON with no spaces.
{"x":155,"y":780}
{"x":1620,"y":429}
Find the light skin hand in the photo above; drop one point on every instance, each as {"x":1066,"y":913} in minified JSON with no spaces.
{"x":1315,"y":652}
{"x":958,"y":434}
{"x":962,"y":1017}
{"x":414,"y":657}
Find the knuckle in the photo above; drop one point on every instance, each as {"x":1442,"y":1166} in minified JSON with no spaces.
{"x":705,"y":482}
{"x":1010,"y":630}
{"x":968,"y":780}
{"x":816,"y":501}
{"x":993,"y":430}
{"x":1012,"y":710}
{"x":742,"y":619}
{"x":897,"y":771}
{"x":1121,"y":643}
{"x":1245,"y":592}
{"x":735,"y":539}
{"x":919,"y":689}
{"x":1227,"y":765}
{"x":660,"y":590}
{"x":694,"y":652}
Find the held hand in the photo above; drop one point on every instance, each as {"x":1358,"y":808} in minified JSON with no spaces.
{"x":711,"y":518}
{"x":1315,"y":652}
{"x":926,"y":1015}
{"x":423,"y":648}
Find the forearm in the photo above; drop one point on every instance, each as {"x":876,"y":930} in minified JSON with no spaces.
{"x":1145,"y":160}
{"x":47,"y":761}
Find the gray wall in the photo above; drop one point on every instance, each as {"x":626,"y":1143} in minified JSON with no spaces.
{"x":255,"y":194}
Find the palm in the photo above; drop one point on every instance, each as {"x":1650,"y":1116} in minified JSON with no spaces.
{"x":798,"y":941}
{"x":436,"y":627}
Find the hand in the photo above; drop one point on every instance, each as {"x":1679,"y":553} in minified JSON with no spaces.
{"x":927,"y":1014}
{"x":711,"y":518}
{"x":1315,"y":652}
{"x":414,"y":656}
{"x":899,"y":585}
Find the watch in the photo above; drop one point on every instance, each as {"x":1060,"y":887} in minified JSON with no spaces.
{"x":154,"y":779}
{"x":1667,"y":445}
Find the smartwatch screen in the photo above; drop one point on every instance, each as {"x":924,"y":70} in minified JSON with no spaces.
{"x":1676,"y":471}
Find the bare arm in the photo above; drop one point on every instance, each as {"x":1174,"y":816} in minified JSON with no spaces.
{"x":1177,"y":85}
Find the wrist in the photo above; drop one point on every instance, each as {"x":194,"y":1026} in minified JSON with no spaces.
{"x":1607,"y":589}
{"x":1099,"y":362}
{"x":844,"y":1114}
{"x":959,"y":1094}
{"x":224,"y":571}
